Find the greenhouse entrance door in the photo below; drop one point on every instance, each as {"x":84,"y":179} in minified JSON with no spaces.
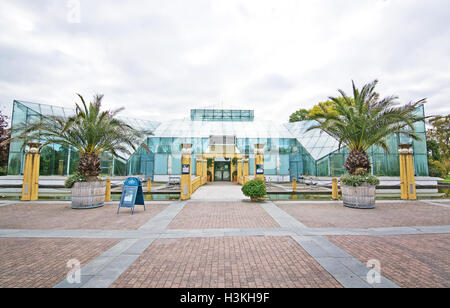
{"x":222,"y":171}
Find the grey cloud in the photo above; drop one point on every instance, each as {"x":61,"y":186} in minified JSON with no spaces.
{"x":160,"y":58}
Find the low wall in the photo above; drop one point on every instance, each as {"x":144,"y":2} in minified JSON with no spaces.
{"x":196,"y":183}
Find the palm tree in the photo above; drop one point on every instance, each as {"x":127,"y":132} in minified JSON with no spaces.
{"x":90,"y":132}
{"x":364,"y":120}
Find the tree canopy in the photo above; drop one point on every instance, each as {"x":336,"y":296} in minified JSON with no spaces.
{"x":4,"y":147}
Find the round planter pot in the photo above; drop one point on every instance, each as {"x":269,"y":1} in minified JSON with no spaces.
{"x":362,"y":197}
{"x":88,"y":195}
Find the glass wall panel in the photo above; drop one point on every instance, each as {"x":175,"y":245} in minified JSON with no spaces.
{"x":161,"y":164}
{"x":323,"y":167}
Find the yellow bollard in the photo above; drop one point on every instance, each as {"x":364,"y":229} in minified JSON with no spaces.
{"x":149,"y":185}
{"x":335,"y":190}
{"x":108,"y":191}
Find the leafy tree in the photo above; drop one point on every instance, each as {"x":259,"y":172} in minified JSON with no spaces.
{"x":90,"y":132}
{"x":307,"y":114}
{"x":433,"y":149}
{"x":364,"y":120}
{"x":437,"y":169}
{"x":318,"y":109}
{"x":440,"y":133}
{"x":5,"y":134}
{"x":299,"y":115}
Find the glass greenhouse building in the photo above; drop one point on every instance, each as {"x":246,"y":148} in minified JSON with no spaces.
{"x":290,"y":150}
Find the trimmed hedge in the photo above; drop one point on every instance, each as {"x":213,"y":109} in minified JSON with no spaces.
{"x":255,"y":189}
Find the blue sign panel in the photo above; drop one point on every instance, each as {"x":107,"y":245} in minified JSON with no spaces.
{"x":132,"y":194}
{"x":259,"y":169}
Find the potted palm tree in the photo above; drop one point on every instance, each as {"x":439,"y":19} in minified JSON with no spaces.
{"x":90,"y":132}
{"x":358,"y":123}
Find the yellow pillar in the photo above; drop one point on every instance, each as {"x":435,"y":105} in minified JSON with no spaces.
{"x":108,"y":191}
{"x":412,"y":194}
{"x":186,"y":172}
{"x":259,"y":161}
{"x":335,"y":190}
{"x":246,"y":168}
{"x":403,"y":177}
{"x":198,"y":166}
{"x":30,"y":187}
{"x":149,"y":185}
{"x":204,"y":171}
{"x":239,"y":171}
{"x":407,"y":177}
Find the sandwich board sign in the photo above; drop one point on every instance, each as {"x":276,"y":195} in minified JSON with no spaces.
{"x":132,"y":194}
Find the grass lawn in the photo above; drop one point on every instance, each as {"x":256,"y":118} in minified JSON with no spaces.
{"x":447,"y":180}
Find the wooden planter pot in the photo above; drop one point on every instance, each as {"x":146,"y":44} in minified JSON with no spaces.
{"x":362,"y":197}
{"x":88,"y":195}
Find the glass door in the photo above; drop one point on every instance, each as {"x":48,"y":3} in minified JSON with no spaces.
{"x":222,"y":171}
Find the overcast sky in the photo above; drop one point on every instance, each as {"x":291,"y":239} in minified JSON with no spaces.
{"x":160,"y":58}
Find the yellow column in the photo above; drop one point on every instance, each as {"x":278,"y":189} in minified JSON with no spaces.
{"x":198,"y":167}
{"x":204,"y":172}
{"x":239,"y":171}
{"x":149,"y":185}
{"x":30,"y":188}
{"x":407,"y":177}
{"x":403,"y":176}
{"x":259,"y":161}
{"x":412,"y":195}
{"x":108,"y":191}
{"x":335,"y":190}
{"x":246,"y":170}
{"x":186,"y":172}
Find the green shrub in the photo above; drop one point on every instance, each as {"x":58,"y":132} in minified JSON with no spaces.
{"x":3,"y":171}
{"x":255,"y":189}
{"x":437,"y":169}
{"x":358,"y":180}
{"x":71,"y":180}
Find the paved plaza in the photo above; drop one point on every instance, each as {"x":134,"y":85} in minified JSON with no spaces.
{"x":221,"y":240}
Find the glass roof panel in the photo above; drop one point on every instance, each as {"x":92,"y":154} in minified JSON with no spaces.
{"x":316,"y":142}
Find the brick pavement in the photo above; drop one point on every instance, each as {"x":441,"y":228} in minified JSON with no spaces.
{"x":41,"y":263}
{"x":335,"y":215}
{"x":214,"y":215}
{"x":62,"y":217}
{"x":226,"y":262}
{"x":411,"y":261}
